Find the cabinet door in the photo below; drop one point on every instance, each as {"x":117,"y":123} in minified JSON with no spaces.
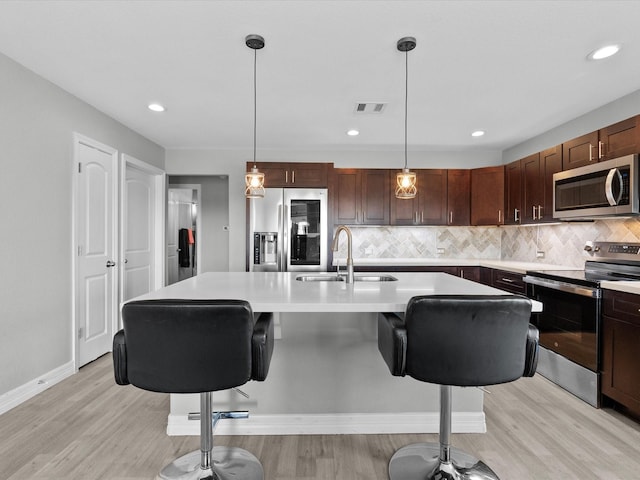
{"x":346,"y":196}
{"x":550,"y":163}
{"x":275,"y":174}
{"x":470,"y":273}
{"x":513,"y":186}
{"x":459,"y":197}
{"x":311,"y":175}
{"x":620,"y":362}
{"x":432,"y":191}
{"x":620,"y":341}
{"x":403,"y":211}
{"x":375,"y":196}
{"x":531,"y":188}
{"x":619,"y":139}
{"x":580,"y":151}
{"x":487,"y":196}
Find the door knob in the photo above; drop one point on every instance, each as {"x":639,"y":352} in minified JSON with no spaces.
{"x":110,"y":264}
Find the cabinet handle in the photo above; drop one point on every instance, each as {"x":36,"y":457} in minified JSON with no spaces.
{"x":600,"y":150}
{"x":539,"y":212}
{"x":422,"y":217}
{"x":461,"y":273}
{"x":451,"y":216}
{"x":508,"y":280}
{"x":590,"y":153}
{"x":286,"y":176}
{"x":499,"y":216}
{"x":515,"y":215}
{"x":534,"y":212}
{"x":293,"y":176}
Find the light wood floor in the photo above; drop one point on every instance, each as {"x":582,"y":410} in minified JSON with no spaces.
{"x":87,"y":427}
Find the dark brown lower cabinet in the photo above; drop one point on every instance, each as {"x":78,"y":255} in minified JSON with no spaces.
{"x":469,"y":272}
{"x":620,"y":377}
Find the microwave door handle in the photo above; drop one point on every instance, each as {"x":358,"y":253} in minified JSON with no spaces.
{"x":608,"y":186}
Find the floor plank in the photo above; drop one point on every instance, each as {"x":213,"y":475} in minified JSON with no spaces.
{"x":87,"y":427}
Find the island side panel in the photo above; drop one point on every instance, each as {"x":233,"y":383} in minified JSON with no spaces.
{"x":327,"y":376}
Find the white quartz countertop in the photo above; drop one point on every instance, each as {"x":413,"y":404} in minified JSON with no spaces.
{"x":281,"y":292}
{"x":627,"y":286}
{"x":512,"y":266}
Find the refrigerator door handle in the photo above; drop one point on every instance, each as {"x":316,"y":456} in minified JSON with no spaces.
{"x":283,"y":258}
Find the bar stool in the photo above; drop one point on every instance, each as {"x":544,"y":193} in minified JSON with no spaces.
{"x":462,"y":340}
{"x":196,"y":346}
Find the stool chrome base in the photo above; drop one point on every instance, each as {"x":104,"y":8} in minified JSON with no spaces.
{"x":421,"y":461}
{"x":229,"y":463}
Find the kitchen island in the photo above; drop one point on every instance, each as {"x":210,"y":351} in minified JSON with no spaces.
{"x":326,"y":374}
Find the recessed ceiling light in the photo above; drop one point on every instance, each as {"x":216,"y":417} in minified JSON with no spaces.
{"x":604,"y":52}
{"x":156,"y":107}
{"x":353,"y":132}
{"x":477,"y":133}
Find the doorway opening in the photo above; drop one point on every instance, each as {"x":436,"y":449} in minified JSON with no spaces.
{"x":197,"y":225}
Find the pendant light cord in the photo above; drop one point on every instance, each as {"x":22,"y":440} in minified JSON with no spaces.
{"x":255,"y":104}
{"x":406,"y":102}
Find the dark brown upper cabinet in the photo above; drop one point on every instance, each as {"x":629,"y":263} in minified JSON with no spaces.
{"x":513,"y":193}
{"x":429,"y":207}
{"x":613,"y":141}
{"x":459,"y":197}
{"x":293,"y":175}
{"x":360,"y":196}
{"x":487,"y":196}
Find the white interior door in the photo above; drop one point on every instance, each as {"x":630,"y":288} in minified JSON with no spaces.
{"x":139,"y":227}
{"x":95,"y":243}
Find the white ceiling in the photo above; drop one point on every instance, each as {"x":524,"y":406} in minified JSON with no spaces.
{"x":512,"y":68}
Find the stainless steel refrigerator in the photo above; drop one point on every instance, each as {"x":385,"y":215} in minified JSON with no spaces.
{"x":288,"y":231}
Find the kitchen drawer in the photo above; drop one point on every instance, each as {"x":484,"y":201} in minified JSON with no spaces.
{"x":509,"y":281}
{"x":621,"y":305}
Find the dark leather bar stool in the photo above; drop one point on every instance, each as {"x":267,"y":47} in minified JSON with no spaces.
{"x":196,"y":346}
{"x":461,"y":340}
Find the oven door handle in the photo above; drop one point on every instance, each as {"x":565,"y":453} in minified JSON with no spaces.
{"x":563,"y":286}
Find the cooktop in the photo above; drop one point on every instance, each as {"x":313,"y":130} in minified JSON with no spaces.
{"x":608,"y":261}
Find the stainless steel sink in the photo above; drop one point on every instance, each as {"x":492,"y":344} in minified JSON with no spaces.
{"x":335,"y":278}
{"x":375,"y":278}
{"x":319,"y":278}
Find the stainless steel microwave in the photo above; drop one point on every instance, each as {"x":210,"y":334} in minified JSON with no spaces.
{"x":604,"y":189}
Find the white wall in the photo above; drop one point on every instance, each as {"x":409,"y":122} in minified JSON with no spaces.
{"x":37,"y":121}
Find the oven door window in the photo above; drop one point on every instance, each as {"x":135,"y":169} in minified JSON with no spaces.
{"x":568,"y":325}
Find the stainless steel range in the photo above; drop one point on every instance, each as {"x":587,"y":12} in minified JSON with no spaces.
{"x":570,"y":323}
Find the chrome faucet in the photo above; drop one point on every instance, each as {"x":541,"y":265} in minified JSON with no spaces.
{"x":334,"y":247}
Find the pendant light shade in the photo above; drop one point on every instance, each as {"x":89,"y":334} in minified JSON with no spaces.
{"x":254,"y":180}
{"x":406,"y":179}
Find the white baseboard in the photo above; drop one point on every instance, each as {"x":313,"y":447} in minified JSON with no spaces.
{"x":15,"y":397}
{"x":326,"y":424}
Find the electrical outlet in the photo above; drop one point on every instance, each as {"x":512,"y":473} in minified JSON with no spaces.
{"x":368,"y":251}
{"x":440,"y":251}
{"x":539,"y":254}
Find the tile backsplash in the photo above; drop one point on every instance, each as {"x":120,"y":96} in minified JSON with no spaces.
{"x":561,"y":244}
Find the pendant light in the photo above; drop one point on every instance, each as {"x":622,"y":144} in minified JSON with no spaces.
{"x":406,"y":179}
{"x":254,"y":180}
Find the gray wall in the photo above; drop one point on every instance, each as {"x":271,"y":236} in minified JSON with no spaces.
{"x":214,"y":214}
{"x":620,"y":109}
{"x":37,"y":121}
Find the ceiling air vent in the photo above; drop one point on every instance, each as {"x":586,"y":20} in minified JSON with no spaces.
{"x":370,"y":107}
